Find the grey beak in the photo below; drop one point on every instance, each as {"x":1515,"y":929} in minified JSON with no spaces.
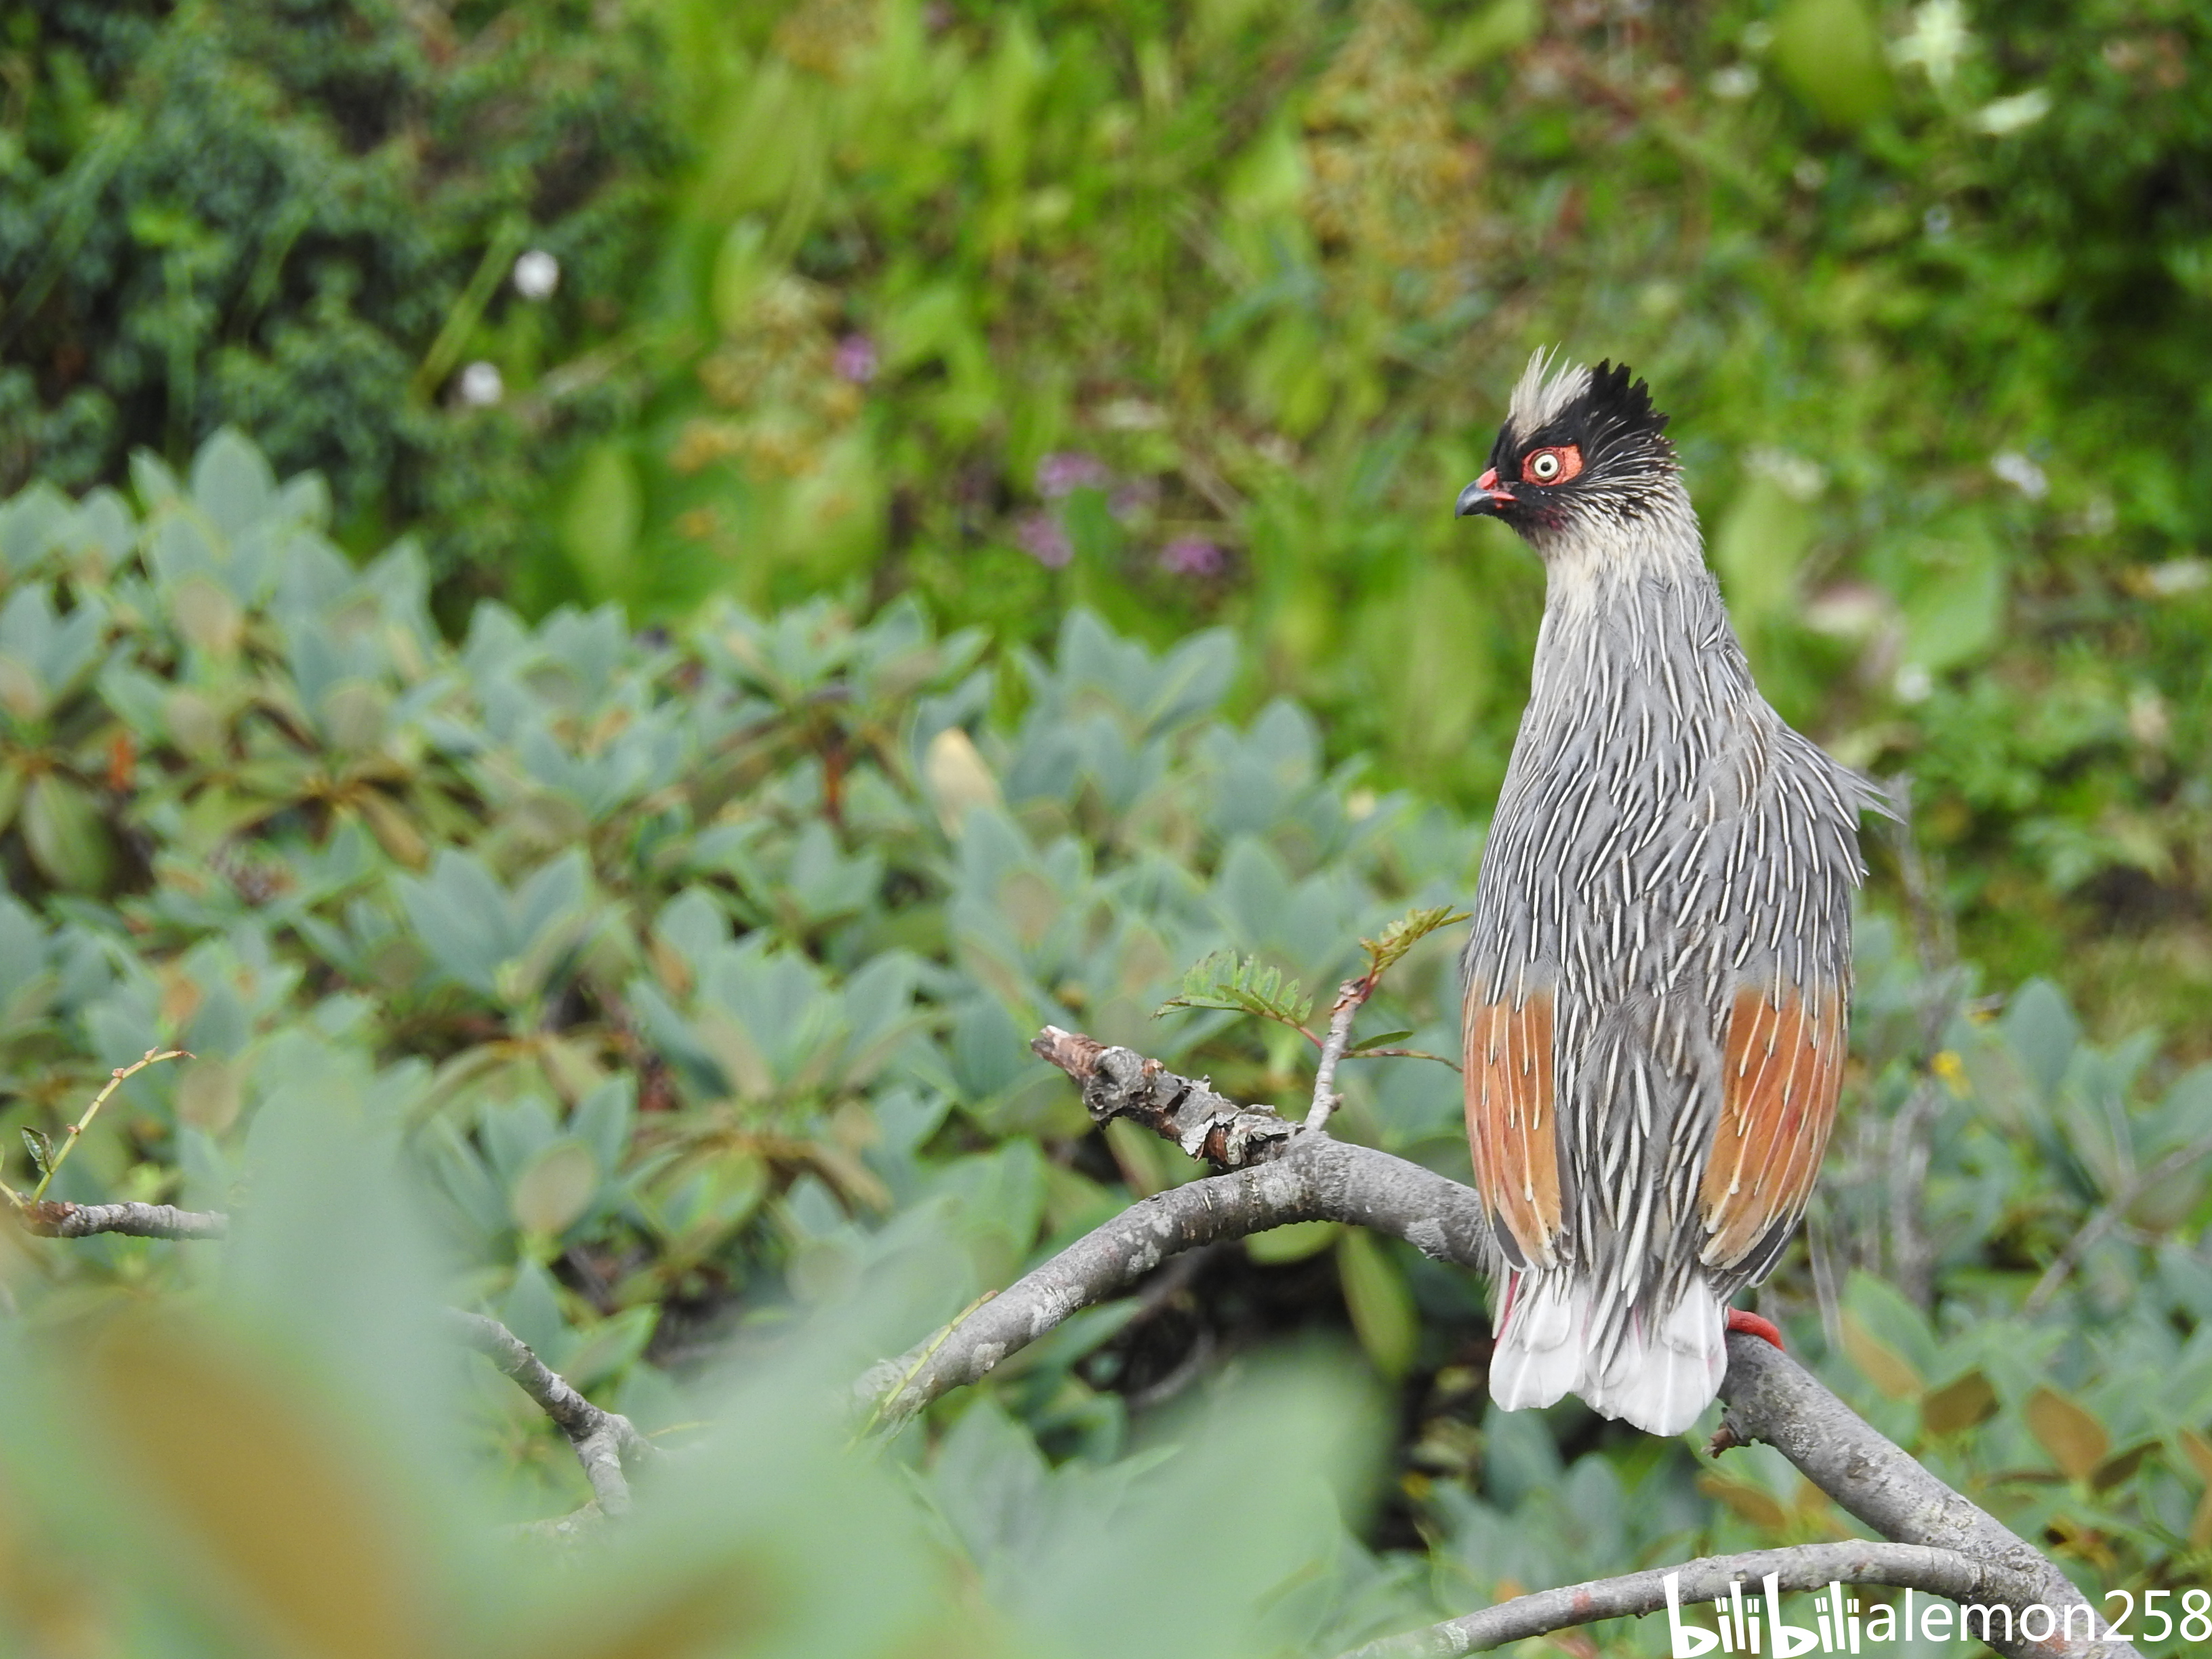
{"x":1481,"y":498}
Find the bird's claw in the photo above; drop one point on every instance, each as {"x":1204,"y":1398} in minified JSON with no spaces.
{"x":1752,"y":1325}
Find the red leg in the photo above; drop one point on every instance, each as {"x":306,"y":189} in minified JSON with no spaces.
{"x":1752,"y":1325}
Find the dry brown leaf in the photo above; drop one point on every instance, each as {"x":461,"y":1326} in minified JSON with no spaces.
{"x":1959,"y":1404}
{"x":1880,"y":1364}
{"x":2077,"y":1442}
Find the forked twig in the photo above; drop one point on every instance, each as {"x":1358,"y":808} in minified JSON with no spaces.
{"x":116,"y":1079}
{"x":1349,"y":998}
{"x":604,"y":1441}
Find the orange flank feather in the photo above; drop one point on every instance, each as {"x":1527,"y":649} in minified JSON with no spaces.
{"x":1782,"y":1067}
{"x":1509,"y":1127}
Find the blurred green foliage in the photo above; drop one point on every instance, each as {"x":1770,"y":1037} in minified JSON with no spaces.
{"x":1203,"y":313}
{"x":299,"y":217}
{"x":667,"y":996}
{"x":1206,"y":313}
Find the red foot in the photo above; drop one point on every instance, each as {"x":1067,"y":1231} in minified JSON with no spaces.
{"x":1752,"y":1325}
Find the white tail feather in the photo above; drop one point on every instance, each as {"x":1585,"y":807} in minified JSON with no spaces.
{"x":1540,"y":1341}
{"x":1660,"y":1379}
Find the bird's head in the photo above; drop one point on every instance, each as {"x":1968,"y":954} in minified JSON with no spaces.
{"x":1581,"y":452}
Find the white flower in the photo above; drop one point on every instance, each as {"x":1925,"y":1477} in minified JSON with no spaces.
{"x":2022,"y":474}
{"x":1799,"y":479}
{"x":2150,"y":722}
{"x":536,"y":274}
{"x":1735,"y":82}
{"x":481,"y":386}
{"x":2175,"y":576}
{"x":1938,"y":39}
{"x":2022,"y":109}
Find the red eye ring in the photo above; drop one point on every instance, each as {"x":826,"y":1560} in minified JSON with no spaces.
{"x":1553,"y":465}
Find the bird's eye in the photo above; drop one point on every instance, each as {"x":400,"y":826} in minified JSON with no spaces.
{"x":1550,"y":466}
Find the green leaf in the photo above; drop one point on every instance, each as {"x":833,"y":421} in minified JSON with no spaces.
{"x":611,"y":1347}
{"x":68,"y":838}
{"x":354,"y":714}
{"x":231,"y":481}
{"x":1380,"y":1305}
{"x":695,"y":1207}
{"x":599,"y":528}
{"x":1141,"y":1156}
{"x":1753,"y":1502}
{"x":555,"y":1188}
{"x":41,"y":1151}
{"x":1955,"y":611}
{"x":1886,"y":1315}
{"x":1367,"y":1044}
{"x":1759,"y":544}
{"x":1830,"y":51}
{"x":742,"y":268}
{"x":208,"y":615}
{"x":1403,"y":934}
{"x":1292,"y":1242}
{"x":1244,"y":985}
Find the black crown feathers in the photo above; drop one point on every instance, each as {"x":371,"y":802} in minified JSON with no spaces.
{"x":1615,"y":407}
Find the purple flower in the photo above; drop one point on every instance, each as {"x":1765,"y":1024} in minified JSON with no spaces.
{"x":1068,"y":470}
{"x":1192,"y":555}
{"x":855,"y":359}
{"x":1043,"y":538}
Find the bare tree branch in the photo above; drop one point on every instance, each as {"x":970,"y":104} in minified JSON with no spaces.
{"x":1317,"y":1179}
{"x":116,"y":1079}
{"x":1350,"y":997}
{"x":52,"y":1218}
{"x":1802,"y":1567}
{"x":1277,"y":1174}
{"x":603,"y":1440}
{"x":1122,"y":1083}
{"x":1772,"y":1398}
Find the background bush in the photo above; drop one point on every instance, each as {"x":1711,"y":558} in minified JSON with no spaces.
{"x":667,"y":996}
{"x":299,"y":217}
{"x":1204,"y":314}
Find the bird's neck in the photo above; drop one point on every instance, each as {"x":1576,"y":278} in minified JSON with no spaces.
{"x":1633,"y":604}
{"x":1600,"y":563}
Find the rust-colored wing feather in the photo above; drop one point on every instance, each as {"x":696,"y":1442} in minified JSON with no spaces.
{"x":1509,"y":1126}
{"x":1782,"y":1067}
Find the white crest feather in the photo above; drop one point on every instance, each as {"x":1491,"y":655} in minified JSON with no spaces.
{"x":1547,"y":388}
